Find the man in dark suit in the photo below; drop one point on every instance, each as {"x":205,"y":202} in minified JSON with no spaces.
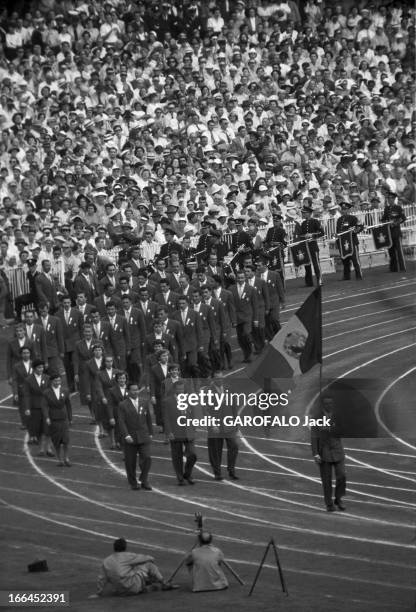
{"x":181,"y":437}
{"x":263,"y":302}
{"x":328,"y":453}
{"x":20,"y":371}
{"x":54,"y":339}
{"x":217,"y":435}
{"x":167,"y":297}
{"x":148,"y":307}
{"x":310,"y":229}
{"x":173,"y":329}
{"x":117,"y":394}
{"x":276,"y":293}
{"x":137,"y":332}
{"x":158,"y":373}
{"x":120,"y":336}
{"x":135,"y":423}
{"x":72,"y":324}
{"x":124,"y":289}
{"x":225,"y":298}
{"x":158,"y":335}
{"x":82,"y":306}
{"x":190,"y":337}
{"x":45,"y":287}
{"x":218,"y":327}
{"x":101,"y":332}
{"x":111,"y":278}
{"x":246,"y":312}
{"x":100,"y":302}
{"x":35,"y":335}
{"x":86,"y":282}
{"x":135,"y":260}
{"x":208,"y":332}
{"x":160,"y":272}
{"x":33,"y":389}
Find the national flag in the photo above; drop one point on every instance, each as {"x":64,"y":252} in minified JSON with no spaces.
{"x":300,"y":253}
{"x":382,"y":236}
{"x":346,"y":244}
{"x":294,"y":350}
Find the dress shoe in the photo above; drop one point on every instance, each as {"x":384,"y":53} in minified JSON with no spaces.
{"x":247,"y":360}
{"x":60,"y":464}
{"x":50,"y":453}
{"x":135,"y":487}
{"x":41,"y":453}
{"x":181,"y":483}
{"x":169,"y":586}
{"x":233,"y":475}
{"x":67,"y":463}
{"x":330,"y":508}
{"x":219,"y":477}
{"x":146,"y":486}
{"x":189,"y":480}
{"x":339,"y":505}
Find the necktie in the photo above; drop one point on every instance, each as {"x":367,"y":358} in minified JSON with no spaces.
{"x":96,"y":330}
{"x":45,"y":323}
{"x":66,"y":316}
{"x":184,"y":318}
{"x":29,"y":332}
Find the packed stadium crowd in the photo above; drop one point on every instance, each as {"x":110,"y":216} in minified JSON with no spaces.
{"x":155,"y":160}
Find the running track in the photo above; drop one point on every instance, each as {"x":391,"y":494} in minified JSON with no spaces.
{"x":341,"y":561}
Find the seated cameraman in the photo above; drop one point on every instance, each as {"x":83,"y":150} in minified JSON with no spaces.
{"x":204,"y":564}
{"x":126,"y":573}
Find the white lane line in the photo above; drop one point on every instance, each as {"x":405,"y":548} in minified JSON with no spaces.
{"x":352,"y":346}
{"x":377,"y":410}
{"x":385,"y":299}
{"x":365,"y":314}
{"x":357,"y":329}
{"x":146,"y":545}
{"x":256,"y":492}
{"x":6,"y":398}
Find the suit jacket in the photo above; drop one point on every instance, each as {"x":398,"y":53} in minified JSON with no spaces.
{"x":120,"y":336}
{"x":104,"y":383}
{"x":54,"y":337}
{"x":173,"y":283}
{"x":46,"y":290}
{"x":90,"y":288}
{"x":207,"y":324}
{"x":19,"y":375}
{"x":13,"y":354}
{"x":87,"y":312}
{"x":104,"y":336}
{"x":149,"y":315}
{"x":263,"y":297}
{"x":105,"y":280}
{"x":100,"y":304}
{"x":226,"y":300}
{"x":157,"y":377}
{"x":326,"y":445}
{"x":191,"y":336}
{"x":136,"y":266}
{"x":156,"y":277}
{"x":275,"y":289}
{"x":57,"y":409}
{"x":38,"y":341}
{"x":137,"y":425}
{"x":115,"y":397}
{"x":152,"y":289}
{"x":218,"y":319}
{"x":133,"y":295}
{"x":72,"y":330}
{"x":171,"y":413}
{"x":171,"y":303}
{"x":136,"y":327}
{"x":246,"y":307}
{"x":33,"y":394}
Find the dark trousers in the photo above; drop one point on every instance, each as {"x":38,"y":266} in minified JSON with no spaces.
{"x":397,"y":263}
{"x":272,"y":323}
{"x":259,"y":337}
{"x":130,"y":459}
{"x":134,"y":371}
{"x":326,"y":477}
{"x":69,"y":369}
{"x":215,"y":446}
{"x":157,"y":408}
{"x":244,"y":338}
{"x":355,"y":260}
{"x":316,"y":268}
{"x":225,"y":353}
{"x":180,"y":449}
{"x":215,"y":356}
{"x":204,"y":364}
{"x":189,"y":364}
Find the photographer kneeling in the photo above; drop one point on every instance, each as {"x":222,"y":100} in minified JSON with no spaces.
{"x":126,"y":573}
{"x":204,"y":564}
